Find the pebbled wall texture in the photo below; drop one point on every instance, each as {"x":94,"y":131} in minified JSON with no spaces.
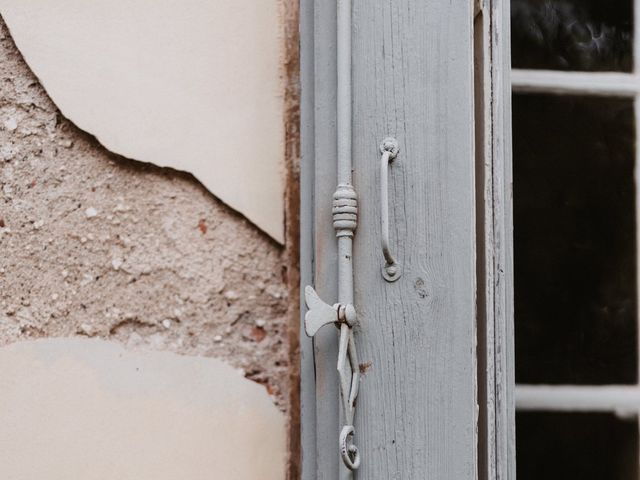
{"x":97,"y":245}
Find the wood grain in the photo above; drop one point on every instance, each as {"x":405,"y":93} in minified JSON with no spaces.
{"x":498,"y":283}
{"x":413,"y":79}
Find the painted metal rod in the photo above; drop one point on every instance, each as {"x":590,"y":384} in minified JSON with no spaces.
{"x":347,"y":352}
{"x":344,"y":91}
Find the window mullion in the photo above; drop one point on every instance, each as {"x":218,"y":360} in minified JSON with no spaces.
{"x":583,"y":83}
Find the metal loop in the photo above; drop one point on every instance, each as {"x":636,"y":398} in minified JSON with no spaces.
{"x":391,"y":271}
{"x":348,"y":451}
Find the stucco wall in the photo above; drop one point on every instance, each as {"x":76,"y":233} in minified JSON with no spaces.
{"x":97,"y":245}
{"x":102,"y":412}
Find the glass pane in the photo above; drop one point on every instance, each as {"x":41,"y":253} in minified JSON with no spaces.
{"x":585,"y":446}
{"x":574,"y":240}
{"x":586,"y":35}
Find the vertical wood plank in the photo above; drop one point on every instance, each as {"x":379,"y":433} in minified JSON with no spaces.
{"x":308,"y":420}
{"x":502,"y":250}
{"x":325,"y":343}
{"x":495,"y":246}
{"x":413,"y":79}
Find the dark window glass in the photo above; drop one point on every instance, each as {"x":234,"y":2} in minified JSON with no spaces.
{"x":585,"y":446}
{"x":574,"y":240}
{"x":586,"y":35}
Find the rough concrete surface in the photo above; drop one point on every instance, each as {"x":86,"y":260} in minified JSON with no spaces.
{"x":96,"y":245}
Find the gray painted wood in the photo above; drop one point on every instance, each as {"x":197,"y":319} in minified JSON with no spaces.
{"x":495,"y":250}
{"x":413,"y":79}
{"x":320,"y":422}
{"x":502,"y":245}
{"x":307,"y":179}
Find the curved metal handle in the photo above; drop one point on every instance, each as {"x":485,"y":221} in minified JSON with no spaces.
{"x":391,"y":271}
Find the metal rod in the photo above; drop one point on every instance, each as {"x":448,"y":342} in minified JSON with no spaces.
{"x":344,"y":91}
{"x":345,"y":238}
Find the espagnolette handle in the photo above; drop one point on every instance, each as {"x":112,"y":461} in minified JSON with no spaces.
{"x":343,"y":317}
{"x":391,"y":270}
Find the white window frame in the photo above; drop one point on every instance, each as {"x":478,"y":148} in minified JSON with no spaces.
{"x":618,"y":399}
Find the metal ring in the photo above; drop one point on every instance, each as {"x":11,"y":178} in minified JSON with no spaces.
{"x":348,"y":451}
{"x":391,"y":270}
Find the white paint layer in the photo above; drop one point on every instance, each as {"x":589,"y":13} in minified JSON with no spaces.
{"x":193,"y":84}
{"x":74,"y":408}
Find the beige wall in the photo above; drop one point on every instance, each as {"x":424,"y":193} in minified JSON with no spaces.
{"x":98,"y":246}
{"x":90,"y":409}
{"x":196,"y":85}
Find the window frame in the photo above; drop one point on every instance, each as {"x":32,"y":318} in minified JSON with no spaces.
{"x":494,"y":216}
{"x":494,"y":382}
{"x":610,"y":398}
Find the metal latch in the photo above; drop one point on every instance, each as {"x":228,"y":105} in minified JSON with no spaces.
{"x":345,"y":219}
{"x":343,"y":315}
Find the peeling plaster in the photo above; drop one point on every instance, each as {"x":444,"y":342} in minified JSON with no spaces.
{"x":73,"y":408}
{"x":196,"y":85}
{"x":100,"y":246}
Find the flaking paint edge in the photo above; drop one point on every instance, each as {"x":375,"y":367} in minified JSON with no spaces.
{"x":234,"y":138}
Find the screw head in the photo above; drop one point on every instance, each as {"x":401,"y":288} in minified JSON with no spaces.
{"x":392,"y":272}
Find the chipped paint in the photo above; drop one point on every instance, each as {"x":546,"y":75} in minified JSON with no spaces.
{"x":196,"y":85}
